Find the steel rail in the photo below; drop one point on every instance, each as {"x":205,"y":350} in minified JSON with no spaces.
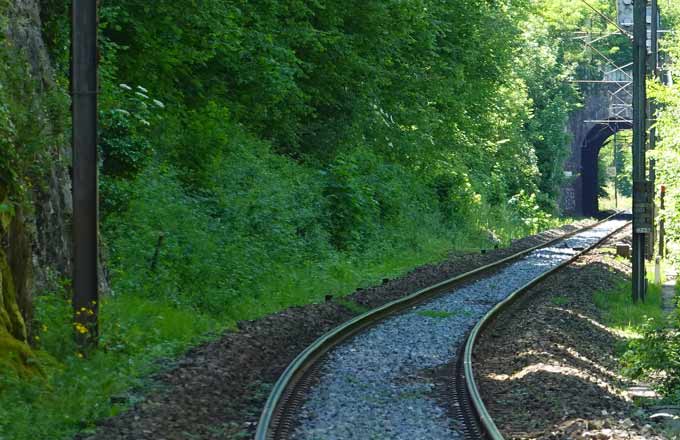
{"x":296,"y":371}
{"x":488,"y":426}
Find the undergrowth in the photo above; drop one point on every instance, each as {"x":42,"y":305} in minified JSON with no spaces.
{"x":655,"y":356}
{"x":137,"y":336}
{"x":153,"y":316}
{"x":651,"y":340}
{"x":628,"y":318}
{"x":256,"y":234}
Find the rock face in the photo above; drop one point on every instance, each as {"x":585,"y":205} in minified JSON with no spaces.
{"x":36,"y":241}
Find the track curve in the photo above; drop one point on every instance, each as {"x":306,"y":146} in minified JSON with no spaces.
{"x":378,"y":375}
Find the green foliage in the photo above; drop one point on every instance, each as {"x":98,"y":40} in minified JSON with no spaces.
{"x":260,"y":214}
{"x":188,"y":254}
{"x":526,"y":210}
{"x":653,"y":348}
{"x":353,"y":206}
{"x":545,"y":70}
{"x":302,"y":147}
{"x":438,"y":84}
{"x":77,"y":391}
{"x":367,"y":197}
{"x":623,"y":315}
{"x":126,"y":124}
{"x":667,"y":154}
{"x":255,"y":210}
{"x":656,"y":355}
{"x":124,"y":132}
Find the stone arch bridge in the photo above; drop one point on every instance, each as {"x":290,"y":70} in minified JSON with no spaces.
{"x":602,"y":115}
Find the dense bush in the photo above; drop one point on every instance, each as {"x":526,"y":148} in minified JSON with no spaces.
{"x":415,"y":82}
{"x":302,"y":134}
{"x":297,"y":134}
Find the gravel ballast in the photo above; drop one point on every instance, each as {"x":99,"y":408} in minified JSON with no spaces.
{"x":379,"y":384}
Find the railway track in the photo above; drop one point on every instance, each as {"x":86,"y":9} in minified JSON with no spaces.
{"x":405,"y":370}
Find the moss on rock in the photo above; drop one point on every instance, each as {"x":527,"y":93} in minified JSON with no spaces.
{"x":16,"y":357}
{"x":10,"y":316}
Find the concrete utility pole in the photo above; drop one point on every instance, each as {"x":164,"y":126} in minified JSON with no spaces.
{"x":641,"y":214}
{"x":84,"y":87}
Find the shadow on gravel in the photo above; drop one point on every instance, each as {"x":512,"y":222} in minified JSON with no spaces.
{"x":556,"y":407}
{"x":547,"y":367}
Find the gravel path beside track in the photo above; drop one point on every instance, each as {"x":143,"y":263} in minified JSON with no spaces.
{"x":547,"y":367}
{"x":380,"y":385}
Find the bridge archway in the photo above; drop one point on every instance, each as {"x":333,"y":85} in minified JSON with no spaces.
{"x":590,"y":152}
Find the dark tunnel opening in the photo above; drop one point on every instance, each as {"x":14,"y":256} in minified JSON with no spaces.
{"x":590,"y":152}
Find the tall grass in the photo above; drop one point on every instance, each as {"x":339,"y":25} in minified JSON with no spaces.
{"x":138,"y":330}
{"x":261,"y":236}
{"x":625,"y":316}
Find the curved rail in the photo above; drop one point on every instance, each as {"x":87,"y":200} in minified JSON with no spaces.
{"x":269,"y":425}
{"x":489,"y":428}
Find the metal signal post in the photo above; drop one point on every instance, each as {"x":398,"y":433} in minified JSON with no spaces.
{"x":84,"y":87}
{"x":641,"y":205}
